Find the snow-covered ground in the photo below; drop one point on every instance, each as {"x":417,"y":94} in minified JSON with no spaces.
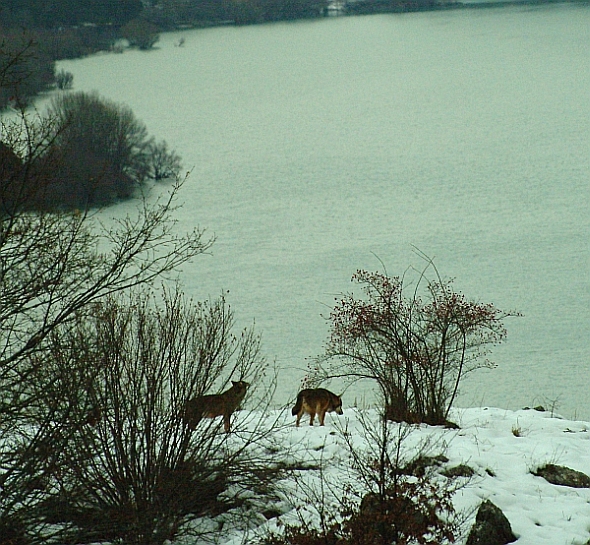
{"x":502,"y":447}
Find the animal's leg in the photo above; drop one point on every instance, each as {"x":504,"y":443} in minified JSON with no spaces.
{"x":311,"y":417}
{"x":226,"y":418}
{"x":299,"y":414}
{"x":322,"y":416}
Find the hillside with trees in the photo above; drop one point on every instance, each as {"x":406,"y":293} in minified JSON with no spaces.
{"x":85,"y":152}
{"x":64,"y":13}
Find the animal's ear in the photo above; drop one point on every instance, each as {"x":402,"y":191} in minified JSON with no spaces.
{"x":234,"y":382}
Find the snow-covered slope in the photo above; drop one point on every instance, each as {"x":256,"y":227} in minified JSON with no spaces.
{"x":502,"y":447}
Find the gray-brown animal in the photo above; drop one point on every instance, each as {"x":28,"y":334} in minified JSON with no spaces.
{"x":211,"y":406}
{"x":316,"y":401}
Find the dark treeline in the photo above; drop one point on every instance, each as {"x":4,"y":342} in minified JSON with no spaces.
{"x":28,"y":55}
{"x":174,"y":13}
{"x":171,"y":14}
{"x":362,"y":7}
{"x":56,"y":13}
{"x":59,"y":14}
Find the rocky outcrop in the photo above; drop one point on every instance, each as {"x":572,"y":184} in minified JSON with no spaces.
{"x":491,"y":527}
{"x":563,"y":476}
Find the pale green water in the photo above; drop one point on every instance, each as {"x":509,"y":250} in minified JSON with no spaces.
{"x":318,"y":144}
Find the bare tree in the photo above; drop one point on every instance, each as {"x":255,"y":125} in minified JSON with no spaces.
{"x":84,"y":151}
{"x":104,"y":151}
{"x":140,"y":33}
{"x":64,"y":80}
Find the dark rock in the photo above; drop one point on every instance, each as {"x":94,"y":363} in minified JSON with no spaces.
{"x":563,"y":476}
{"x":491,"y":527}
{"x":462,"y":470}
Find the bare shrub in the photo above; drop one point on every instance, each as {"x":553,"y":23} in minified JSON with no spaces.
{"x":399,"y":505}
{"x":416,"y":340}
{"x":133,"y":470}
{"x":308,"y":535}
{"x":386,"y":500}
{"x":64,"y":80}
{"x":163,"y":163}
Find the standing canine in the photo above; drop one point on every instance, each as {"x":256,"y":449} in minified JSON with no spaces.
{"x":316,"y":401}
{"x":210,"y":406}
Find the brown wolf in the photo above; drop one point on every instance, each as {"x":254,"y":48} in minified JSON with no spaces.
{"x":316,"y":400}
{"x":210,"y":406}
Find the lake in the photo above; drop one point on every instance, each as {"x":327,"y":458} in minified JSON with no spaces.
{"x":319,"y":147}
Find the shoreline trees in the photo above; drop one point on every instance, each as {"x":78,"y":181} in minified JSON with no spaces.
{"x":84,"y":152}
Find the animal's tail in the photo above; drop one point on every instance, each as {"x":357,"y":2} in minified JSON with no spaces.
{"x":298,"y":404}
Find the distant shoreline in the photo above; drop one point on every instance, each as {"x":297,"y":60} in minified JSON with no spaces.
{"x":368,"y":7}
{"x":353,"y":8}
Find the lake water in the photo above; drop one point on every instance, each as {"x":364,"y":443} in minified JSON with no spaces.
{"x":320,"y":147}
